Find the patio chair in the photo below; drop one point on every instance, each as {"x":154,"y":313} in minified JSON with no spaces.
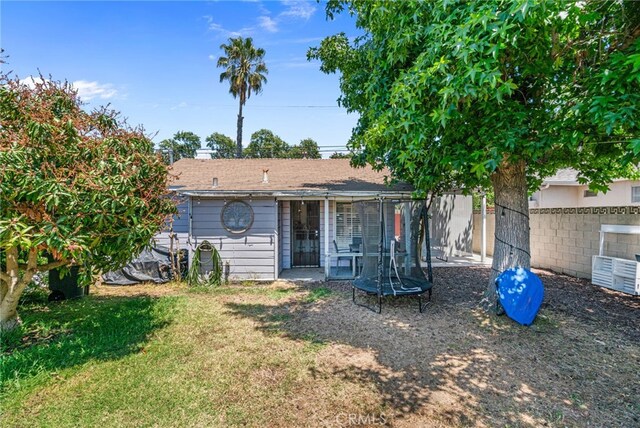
{"x":356,"y":247}
{"x":342,"y":250}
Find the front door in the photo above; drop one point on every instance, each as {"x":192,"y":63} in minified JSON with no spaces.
{"x":305,"y":233}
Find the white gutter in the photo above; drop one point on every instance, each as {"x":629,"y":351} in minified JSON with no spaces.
{"x":283,"y":195}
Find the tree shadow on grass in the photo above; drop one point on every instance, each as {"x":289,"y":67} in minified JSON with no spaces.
{"x":60,"y":335}
{"x":453,"y":365}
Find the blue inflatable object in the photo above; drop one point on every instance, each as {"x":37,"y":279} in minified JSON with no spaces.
{"x":521,"y":293}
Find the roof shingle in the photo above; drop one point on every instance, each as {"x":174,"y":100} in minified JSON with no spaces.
{"x":329,"y":175}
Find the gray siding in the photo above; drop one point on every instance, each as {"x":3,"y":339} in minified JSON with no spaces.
{"x":181,"y":220}
{"x":251,"y":255}
{"x":285,"y":215}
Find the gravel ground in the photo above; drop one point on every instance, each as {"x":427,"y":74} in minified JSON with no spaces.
{"x":453,"y":365}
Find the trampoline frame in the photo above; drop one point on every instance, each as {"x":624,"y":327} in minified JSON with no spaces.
{"x":380,"y":274}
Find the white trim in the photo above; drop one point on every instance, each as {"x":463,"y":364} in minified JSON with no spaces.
{"x":620,"y":228}
{"x":276,"y":237}
{"x":327,"y":252}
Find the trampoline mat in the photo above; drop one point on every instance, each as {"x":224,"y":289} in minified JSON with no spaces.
{"x":409,"y":286}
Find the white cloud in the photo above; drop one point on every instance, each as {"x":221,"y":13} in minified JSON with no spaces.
{"x":86,"y":90}
{"x":267,"y":24}
{"x":218,"y":28}
{"x":183,"y":104}
{"x":298,"y":9}
{"x":212,"y":57}
{"x":31,"y":81}
{"x":90,"y":90}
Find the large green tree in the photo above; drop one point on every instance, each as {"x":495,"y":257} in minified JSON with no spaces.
{"x":492,"y":94}
{"x":265,"y":144}
{"x":81,"y":188}
{"x":222,"y":147}
{"x":245,"y":70}
{"x":307,"y":149}
{"x":183,"y":145}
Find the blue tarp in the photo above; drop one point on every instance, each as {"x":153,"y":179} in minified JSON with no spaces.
{"x":521,"y":293}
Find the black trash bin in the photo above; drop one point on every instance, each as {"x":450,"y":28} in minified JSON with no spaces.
{"x":65,"y":287}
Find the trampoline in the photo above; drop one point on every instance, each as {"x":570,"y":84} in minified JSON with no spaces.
{"x":393,"y":233}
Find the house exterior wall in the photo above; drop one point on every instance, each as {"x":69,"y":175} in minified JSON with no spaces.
{"x":452,"y":226}
{"x":573,"y":196}
{"x":181,"y":220}
{"x":252,"y":254}
{"x":555,"y":197}
{"x":565,"y":239}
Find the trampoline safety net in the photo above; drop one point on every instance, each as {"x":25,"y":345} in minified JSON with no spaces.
{"x":393,"y":233}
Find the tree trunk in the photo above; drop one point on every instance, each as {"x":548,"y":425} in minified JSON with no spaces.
{"x":239,"y":135}
{"x":511,"y":240}
{"x":9,"y":313}
{"x":14,"y":285}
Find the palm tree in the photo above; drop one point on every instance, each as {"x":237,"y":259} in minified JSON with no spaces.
{"x":245,"y":70}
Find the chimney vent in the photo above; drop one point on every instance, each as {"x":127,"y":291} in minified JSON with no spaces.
{"x":215,"y":182}
{"x":265,"y":176}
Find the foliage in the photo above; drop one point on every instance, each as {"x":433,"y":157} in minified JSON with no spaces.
{"x":307,"y":149}
{"x":51,"y":347}
{"x":340,"y":155}
{"x":183,"y":145}
{"x":265,"y":144}
{"x":448,"y":92}
{"x":195,"y":278}
{"x":223,"y":147}
{"x":83,"y":187}
{"x":245,"y":70}
{"x":477,"y":200}
{"x":493,"y":94}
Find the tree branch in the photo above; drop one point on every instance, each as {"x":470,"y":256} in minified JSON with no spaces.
{"x":52,"y":265}
{"x":45,"y":267}
{"x":628,"y":41}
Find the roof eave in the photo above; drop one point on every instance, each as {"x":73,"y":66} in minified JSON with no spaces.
{"x":294,"y":193}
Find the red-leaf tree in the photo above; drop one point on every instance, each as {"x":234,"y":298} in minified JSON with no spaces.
{"x":76,"y":187}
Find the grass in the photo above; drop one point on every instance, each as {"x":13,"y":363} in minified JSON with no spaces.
{"x":171,"y":360}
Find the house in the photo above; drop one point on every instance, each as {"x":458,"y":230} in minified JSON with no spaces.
{"x":562,"y":190}
{"x":267,"y":215}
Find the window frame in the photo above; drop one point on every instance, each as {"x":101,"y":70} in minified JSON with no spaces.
{"x":353,"y":214}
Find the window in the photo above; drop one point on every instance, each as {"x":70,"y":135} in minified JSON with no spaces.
{"x":589,"y":194}
{"x":237,"y":216}
{"x":635,"y":193}
{"x":347,"y":224}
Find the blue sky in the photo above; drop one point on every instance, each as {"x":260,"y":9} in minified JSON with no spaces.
{"x":156,"y":62}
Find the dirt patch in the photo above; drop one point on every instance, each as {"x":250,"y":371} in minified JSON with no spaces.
{"x":456,"y":366}
{"x":139,"y":290}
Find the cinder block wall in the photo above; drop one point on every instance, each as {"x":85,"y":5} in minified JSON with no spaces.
{"x":565,"y":239}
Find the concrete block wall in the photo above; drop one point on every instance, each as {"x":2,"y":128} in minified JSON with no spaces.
{"x":565,"y":239}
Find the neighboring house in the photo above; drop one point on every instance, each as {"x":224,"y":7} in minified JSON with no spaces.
{"x":266,"y":215}
{"x":562,"y":190}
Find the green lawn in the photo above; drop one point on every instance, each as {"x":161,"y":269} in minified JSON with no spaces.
{"x":176,"y":359}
